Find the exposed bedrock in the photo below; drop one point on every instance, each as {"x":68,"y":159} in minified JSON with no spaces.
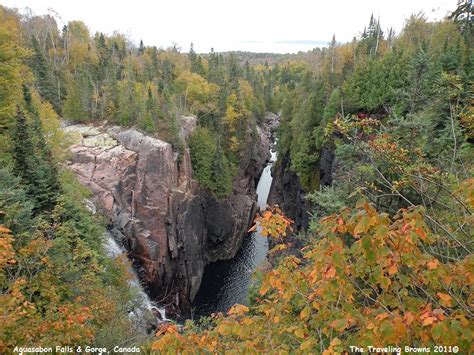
{"x":171,"y":227}
{"x":286,"y":189}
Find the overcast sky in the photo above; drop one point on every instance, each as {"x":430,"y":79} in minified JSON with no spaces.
{"x":252,"y":25}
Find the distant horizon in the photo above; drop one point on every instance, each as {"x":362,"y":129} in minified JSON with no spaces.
{"x":257,"y":27}
{"x":308,"y":47}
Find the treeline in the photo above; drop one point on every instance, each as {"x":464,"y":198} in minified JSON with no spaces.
{"x":93,"y":78}
{"x":397,"y":270}
{"x":413,"y":78}
{"x":57,"y":287}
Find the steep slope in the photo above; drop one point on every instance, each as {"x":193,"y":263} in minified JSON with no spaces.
{"x":171,"y":227}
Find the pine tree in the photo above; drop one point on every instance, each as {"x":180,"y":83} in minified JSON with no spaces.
{"x":141,"y":48}
{"x":193,"y":58}
{"x":23,"y":150}
{"x":213,"y":73}
{"x":46,"y":165}
{"x":42,"y":72}
{"x":33,"y":162}
{"x":221,"y":175}
{"x":233,"y":73}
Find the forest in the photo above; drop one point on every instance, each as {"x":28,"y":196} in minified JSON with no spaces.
{"x":386,"y":259}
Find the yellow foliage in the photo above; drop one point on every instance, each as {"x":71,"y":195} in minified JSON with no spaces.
{"x":13,"y":73}
{"x":199,"y":95}
{"x":380,"y":288}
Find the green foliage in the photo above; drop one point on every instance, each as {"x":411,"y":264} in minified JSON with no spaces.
{"x":58,"y":287}
{"x":106,"y":78}
{"x":74,"y":106}
{"x":32,"y":158}
{"x":365,"y":278}
{"x":210,"y":165}
{"x":34,"y":171}
{"x":16,"y":207}
{"x":416,"y":82}
{"x":45,"y":80}
{"x":202,"y":149}
{"x":396,"y":109}
{"x":11,"y":68}
{"x":222,"y":174}
{"x":329,"y":199}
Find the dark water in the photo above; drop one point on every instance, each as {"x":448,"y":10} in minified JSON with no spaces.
{"x":227,"y":282}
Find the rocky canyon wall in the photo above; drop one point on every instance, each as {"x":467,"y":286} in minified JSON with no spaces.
{"x":171,"y":227}
{"x":286,"y":189}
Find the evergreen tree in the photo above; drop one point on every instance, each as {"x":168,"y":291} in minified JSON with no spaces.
{"x":23,"y":150}
{"x":213,"y":73}
{"x":221,"y":174}
{"x":233,"y":72}
{"x":74,"y":107}
{"x":42,"y":71}
{"x":44,"y":157}
{"x":419,"y":71}
{"x":195,"y":60}
{"x":202,"y":150}
{"x":141,"y":48}
{"x":33,"y":161}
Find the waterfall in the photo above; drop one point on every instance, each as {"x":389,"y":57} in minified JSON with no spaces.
{"x":227,"y":282}
{"x":143,"y":305}
{"x":265,"y":181}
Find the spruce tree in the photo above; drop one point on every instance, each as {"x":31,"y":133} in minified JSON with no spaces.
{"x":33,"y":162}
{"x":43,"y":75}
{"x":23,"y":150}
{"x":221,"y":175}
{"x":44,"y":156}
{"x":141,"y":48}
{"x":193,"y":58}
{"x":213,"y":73}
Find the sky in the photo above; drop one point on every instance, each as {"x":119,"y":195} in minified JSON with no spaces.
{"x":248,"y":25}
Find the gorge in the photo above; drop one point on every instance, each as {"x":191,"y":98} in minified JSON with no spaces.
{"x":170,"y":226}
{"x":135,"y":179}
{"x":227,"y":282}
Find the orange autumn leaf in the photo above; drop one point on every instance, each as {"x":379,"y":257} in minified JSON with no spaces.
{"x":382,"y":316}
{"x":392,"y":270}
{"x":339,"y":324}
{"x":429,"y":321}
{"x":408,"y":318}
{"x":305,"y":313}
{"x":299,"y":333}
{"x":330,"y":272}
{"x":238,"y":310}
{"x":421,"y":233}
{"x":445,"y":298}
{"x":433,"y":264}
{"x":4,"y":230}
{"x":267,"y":215}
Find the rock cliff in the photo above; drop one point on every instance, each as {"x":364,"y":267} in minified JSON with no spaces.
{"x":170,"y":226}
{"x":286,"y":189}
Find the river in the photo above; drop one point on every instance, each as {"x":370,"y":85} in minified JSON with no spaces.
{"x":227,"y":282}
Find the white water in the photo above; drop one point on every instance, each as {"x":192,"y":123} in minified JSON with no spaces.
{"x":145,"y":304}
{"x":265,"y":182}
{"x":227,"y":282}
